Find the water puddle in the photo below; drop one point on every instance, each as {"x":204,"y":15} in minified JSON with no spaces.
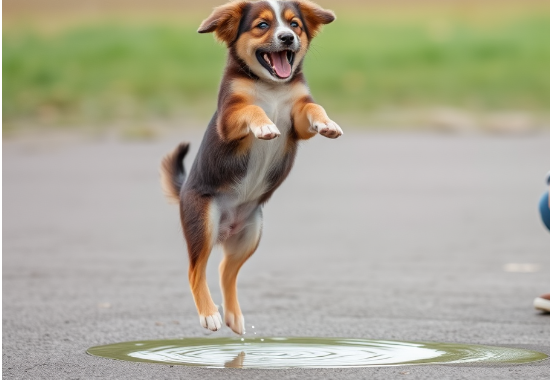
{"x":308,"y":353}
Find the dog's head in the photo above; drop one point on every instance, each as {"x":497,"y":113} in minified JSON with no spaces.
{"x":270,"y":37}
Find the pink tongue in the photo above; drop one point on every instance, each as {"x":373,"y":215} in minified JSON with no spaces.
{"x":280,"y":64}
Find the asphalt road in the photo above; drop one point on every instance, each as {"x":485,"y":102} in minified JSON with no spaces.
{"x":375,"y":235}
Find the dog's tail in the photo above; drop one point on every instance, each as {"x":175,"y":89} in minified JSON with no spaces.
{"x":172,"y":172}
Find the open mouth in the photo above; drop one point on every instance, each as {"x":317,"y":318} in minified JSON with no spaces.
{"x":278,"y":63}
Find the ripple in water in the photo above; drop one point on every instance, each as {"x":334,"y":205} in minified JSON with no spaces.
{"x":307,"y":353}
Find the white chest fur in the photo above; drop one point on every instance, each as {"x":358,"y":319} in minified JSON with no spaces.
{"x":276,"y":101}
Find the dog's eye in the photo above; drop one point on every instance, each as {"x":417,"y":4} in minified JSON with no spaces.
{"x":294,"y":24}
{"x":263,"y":25}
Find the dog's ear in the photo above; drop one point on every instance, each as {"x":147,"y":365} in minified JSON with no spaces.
{"x":224,"y":21}
{"x":314,"y":16}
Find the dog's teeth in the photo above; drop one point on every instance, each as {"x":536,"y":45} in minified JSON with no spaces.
{"x":266,"y":57}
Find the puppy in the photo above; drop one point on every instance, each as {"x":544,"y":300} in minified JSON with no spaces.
{"x":264,"y":110}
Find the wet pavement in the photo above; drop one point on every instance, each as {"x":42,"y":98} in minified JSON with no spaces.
{"x":392,"y":236}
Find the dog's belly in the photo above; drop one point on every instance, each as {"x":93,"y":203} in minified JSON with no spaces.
{"x":266,"y":156}
{"x":238,"y":204}
{"x":233,"y":217}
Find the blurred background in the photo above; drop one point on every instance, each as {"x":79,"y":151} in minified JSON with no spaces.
{"x":139,"y":66}
{"x":409,"y":234}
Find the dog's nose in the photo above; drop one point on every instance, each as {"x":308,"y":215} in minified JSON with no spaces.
{"x":286,"y":38}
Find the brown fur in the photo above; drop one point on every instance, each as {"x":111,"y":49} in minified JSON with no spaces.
{"x":170,"y":178}
{"x":224,"y":21}
{"x":236,"y":171}
{"x":314,"y":16}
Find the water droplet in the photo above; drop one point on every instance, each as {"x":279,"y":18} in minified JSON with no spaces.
{"x":252,"y":326}
{"x":242,"y":339}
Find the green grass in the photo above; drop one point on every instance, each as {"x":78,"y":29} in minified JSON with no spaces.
{"x":505,"y":66}
{"x":104,"y":72}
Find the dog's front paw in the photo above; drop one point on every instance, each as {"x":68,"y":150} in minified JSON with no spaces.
{"x":211,"y":322}
{"x":329,"y":129}
{"x":266,"y":132}
{"x":235,"y":322}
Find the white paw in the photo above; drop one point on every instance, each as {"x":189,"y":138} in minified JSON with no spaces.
{"x":266,"y":132}
{"x":211,"y":322}
{"x":235,"y":323}
{"x":329,"y":129}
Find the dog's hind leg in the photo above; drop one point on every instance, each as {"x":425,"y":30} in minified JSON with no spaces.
{"x":200,"y":221}
{"x":237,"y":249}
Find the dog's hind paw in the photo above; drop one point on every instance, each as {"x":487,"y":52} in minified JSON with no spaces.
{"x":211,"y":322}
{"x":235,"y":322}
{"x":266,"y":132}
{"x":329,"y":129}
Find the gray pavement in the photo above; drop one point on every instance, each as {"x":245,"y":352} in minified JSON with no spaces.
{"x":375,"y":235}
